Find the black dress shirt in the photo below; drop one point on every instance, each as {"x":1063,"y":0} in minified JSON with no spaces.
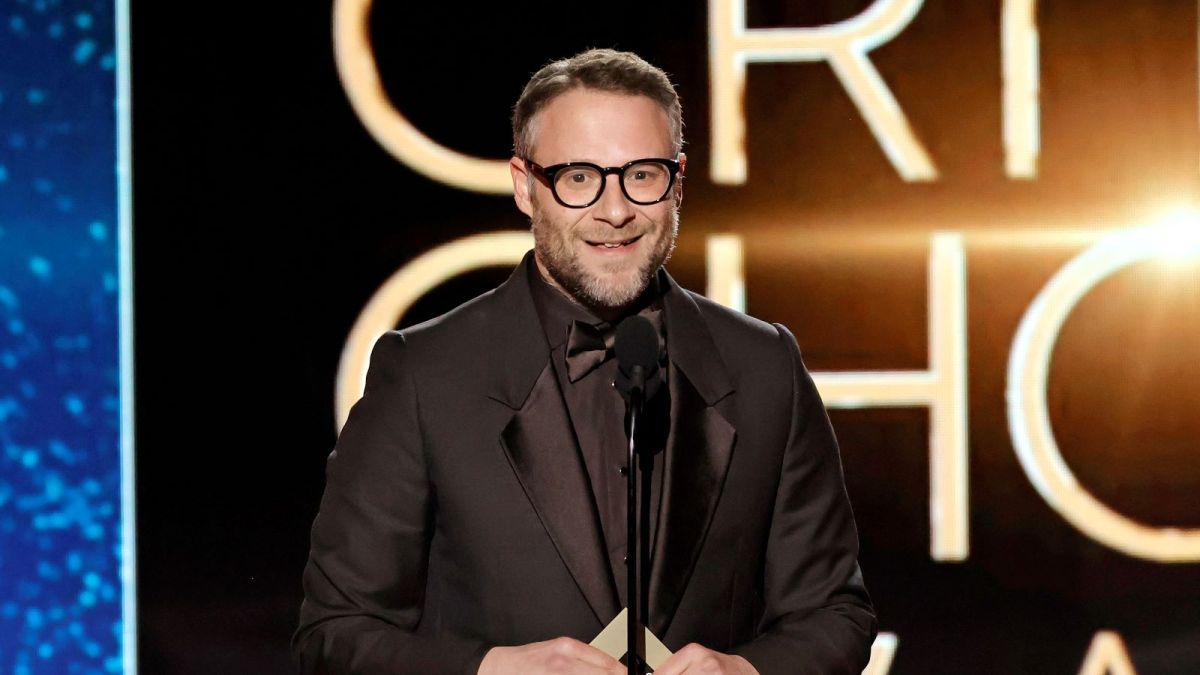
{"x":597,"y":414}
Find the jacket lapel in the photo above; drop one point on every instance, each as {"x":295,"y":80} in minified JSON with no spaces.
{"x":699,"y":448}
{"x":541,"y":447}
{"x":540,"y":444}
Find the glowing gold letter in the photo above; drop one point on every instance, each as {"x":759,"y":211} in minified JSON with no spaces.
{"x":844,"y":45}
{"x":1107,"y":656}
{"x":1019,"y":47}
{"x":882,"y":653}
{"x":726,"y":281}
{"x":360,"y":77}
{"x":943,"y":388}
{"x":1029,"y":418}
{"x":403,"y":288}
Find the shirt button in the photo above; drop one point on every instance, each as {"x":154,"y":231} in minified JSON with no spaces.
{"x":622,"y":470}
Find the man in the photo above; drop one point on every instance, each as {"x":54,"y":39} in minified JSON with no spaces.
{"x":473,"y":516}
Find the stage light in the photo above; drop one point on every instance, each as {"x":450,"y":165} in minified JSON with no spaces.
{"x":1176,"y":237}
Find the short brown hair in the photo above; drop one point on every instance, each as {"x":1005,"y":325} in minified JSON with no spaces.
{"x":600,"y":69}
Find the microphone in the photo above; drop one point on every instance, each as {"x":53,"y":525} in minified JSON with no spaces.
{"x":636,"y":348}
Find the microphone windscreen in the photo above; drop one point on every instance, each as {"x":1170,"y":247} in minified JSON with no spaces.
{"x":636,"y":344}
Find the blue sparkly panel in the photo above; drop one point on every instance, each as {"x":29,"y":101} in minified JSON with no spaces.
{"x":61,"y":514}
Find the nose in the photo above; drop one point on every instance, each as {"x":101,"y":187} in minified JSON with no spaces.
{"x":613,"y":208}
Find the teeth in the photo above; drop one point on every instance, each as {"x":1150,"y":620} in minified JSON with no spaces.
{"x":618,"y":244}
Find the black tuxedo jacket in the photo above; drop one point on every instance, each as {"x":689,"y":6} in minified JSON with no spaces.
{"x":457,"y":513}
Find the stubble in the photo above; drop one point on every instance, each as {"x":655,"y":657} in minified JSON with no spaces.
{"x":616,"y":284}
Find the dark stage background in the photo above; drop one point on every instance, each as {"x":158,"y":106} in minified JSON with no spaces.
{"x":266,"y":216}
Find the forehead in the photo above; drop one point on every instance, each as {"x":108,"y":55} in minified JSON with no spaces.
{"x":599,"y":126}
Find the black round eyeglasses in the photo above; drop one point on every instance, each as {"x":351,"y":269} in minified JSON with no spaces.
{"x":578,"y":185}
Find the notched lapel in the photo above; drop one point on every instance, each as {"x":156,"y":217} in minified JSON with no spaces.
{"x":699,"y":449}
{"x":539,"y":443}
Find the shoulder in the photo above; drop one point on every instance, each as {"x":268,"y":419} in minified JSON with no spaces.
{"x":469,"y":321}
{"x":732,"y":324}
{"x":740,"y":334}
{"x":457,"y":335}
{"x":759,"y":357}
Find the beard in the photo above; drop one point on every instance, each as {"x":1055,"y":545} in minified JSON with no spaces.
{"x":609,"y":284}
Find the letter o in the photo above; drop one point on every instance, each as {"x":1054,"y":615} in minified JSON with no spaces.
{"x":407,"y":284}
{"x":1028,"y":415}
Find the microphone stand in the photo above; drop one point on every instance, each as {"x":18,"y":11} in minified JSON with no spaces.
{"x":633,"y":592}
{"x":647,"y":471}
{"x":636,"y":348}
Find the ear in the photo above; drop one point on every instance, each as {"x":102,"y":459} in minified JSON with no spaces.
{"x":520,"y":179}
{"x":679,"y":179}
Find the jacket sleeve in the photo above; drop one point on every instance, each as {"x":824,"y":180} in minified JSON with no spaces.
{"x":364,"y":583}
{"x":818,"y":617}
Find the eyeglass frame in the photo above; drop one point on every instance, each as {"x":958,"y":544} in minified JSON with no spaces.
{"x":547,"y":174}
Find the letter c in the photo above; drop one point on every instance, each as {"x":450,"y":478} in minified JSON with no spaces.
{"x":360,"y":78}
{"x":405,"y":287}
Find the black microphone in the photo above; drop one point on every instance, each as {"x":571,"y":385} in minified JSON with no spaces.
{"x":636,"y":348}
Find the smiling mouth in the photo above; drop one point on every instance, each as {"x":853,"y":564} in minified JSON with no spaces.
{"x":614,"y":244}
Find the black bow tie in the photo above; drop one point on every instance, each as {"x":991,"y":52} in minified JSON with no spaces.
{"x":588,"y":346}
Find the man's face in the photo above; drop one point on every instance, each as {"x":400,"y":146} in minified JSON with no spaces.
{"x":607,"y":129}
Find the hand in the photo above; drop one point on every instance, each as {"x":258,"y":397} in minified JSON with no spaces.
{"x":697,"y":660}
{"x":560,"y":656}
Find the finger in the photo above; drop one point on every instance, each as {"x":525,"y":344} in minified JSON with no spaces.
{"x":585,"y":653}
{"x":679,"y":662}
{"x":674,"y":665}
{"x":585,"y":668}
{"x":619,"y":668}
